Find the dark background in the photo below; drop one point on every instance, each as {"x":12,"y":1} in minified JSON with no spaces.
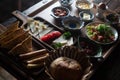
{"x":7,"y":6}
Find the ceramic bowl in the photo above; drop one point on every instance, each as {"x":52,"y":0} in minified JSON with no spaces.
{"x":84,"y":5}
{"x":91,"y":48}
{"x":101,"y":33}
{"x":66,"y":3}
{"x":112,"y":18}
{"x":72,"y":23}
{"x":60,"y":12}
{"x":86,"y":16}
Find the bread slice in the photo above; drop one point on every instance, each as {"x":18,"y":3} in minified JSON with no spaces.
{"x":23,"y":47}
{"x":11,"y":36}
{"x":10,"y":29}
{"x":33,"y":54}
{"x":14,"y":41}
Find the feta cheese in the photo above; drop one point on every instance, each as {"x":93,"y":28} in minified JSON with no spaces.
{"x":86,"y":16}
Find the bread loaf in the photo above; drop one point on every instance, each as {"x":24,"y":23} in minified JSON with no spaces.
{"x":64,"y":68}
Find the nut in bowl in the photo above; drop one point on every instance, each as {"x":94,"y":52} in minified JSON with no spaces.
{"x":86,"y":16}
{"x":101,"y":33}
{"x":60,"y":12}
{"x":84,"y":5}
{"x":72,"y":23}
{"x":68,"y":63}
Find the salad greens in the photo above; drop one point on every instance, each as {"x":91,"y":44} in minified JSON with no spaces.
{"x":103,"y":28}
{"x":100,"y":33}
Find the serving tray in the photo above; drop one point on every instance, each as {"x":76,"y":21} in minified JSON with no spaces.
{"x":37,"y":45}
{"x":26,"y":22}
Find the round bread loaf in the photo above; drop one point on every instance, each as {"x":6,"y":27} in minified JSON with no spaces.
{"x":64,"y":68}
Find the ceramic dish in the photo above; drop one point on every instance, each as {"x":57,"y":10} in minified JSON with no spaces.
{"x":60,"y":12}
{"x":72,"y":23}
{"x":84,"y":5}
{"x":101,"y":33}
{"x":72,"y":53}
{"x":66,"y":3}
{"x":112,"y":18}
{"x":86,"y":16}
{"x":89,"y":47}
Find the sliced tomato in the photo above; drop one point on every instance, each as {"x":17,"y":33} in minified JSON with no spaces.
{"x":50,"y":36}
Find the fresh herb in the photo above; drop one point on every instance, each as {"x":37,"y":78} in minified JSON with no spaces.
{"x":57,"y":45}
{"x":67,"y":35}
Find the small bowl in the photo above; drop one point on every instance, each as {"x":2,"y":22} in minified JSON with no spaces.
{"x":72,"y":23}
{"x":60,"y":12}
{"x":86,"y":16}
{"x":91,"y":48}
{"x":66,"y":3}
{"x":112,"y":18}
{"x":101,"y":33}
{"x":84,"y":5}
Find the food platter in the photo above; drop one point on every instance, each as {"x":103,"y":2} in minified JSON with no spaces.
{"x":29,"y":61}
{"x":45,"y":32}
{"x":48,"y":28}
